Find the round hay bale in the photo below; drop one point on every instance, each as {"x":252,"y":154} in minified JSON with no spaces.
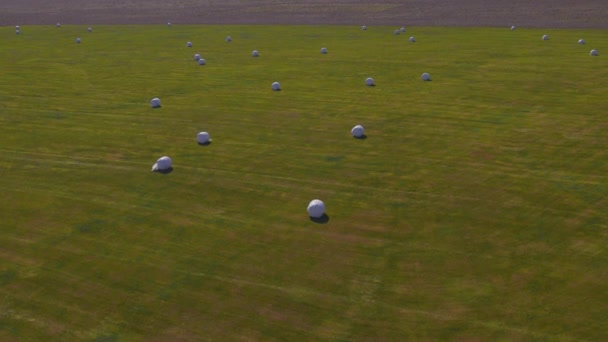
{"x":412,"y":39}
{"x":169,"y":24}
{"x":581,"y":41}
{"x":276,"y":86}
{"x":203,"y":138}
{"x":370,"y":82}
{"x":228,"y":39}
{"x":396,"y":32}
{"x":17,"y":31}
{"x":545,"y":37}
{"x":58,"y":25}
{"x":324,"y":51}
{"x":155,"y":102}
{"x":402,"y":29}
{"x":77,"y":40}
{"x":358,"y":131}
{"x":425,"y":77}
{"x":188,"y":44}
{"x":162,"y":164}
{"x":594,"y":53}
{"x":90,"y":29}
{"x":513,"y":28}
{"x":202,"y":61}
{"x":316,"y":208}
{"x":255,"y":53}
{"x":17,"y":27}
{"x":364,"y":28}
{"x":197,"y":56}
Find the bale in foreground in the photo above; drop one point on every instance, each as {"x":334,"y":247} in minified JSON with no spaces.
{"x":358,"y":131}
{"x":155,"y":102}
{"x":370,"y":82}
{"x":203,"y":138}
{"x":276,"y":86}
{"x":163,"y":164}
{"x":316,"y":208}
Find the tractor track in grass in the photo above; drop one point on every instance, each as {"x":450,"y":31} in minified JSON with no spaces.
{"x":253,"y":178}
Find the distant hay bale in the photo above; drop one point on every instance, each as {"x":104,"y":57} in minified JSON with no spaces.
{"x":58,"y":25}
{"x":155,"y":102}
{"x":402,"y":29}
{"x":358,"y":131}
{"x":202,"y":61}
{"x":228,"y":39}
{"x":581,"y":41}
{"x":412,"y":39}
{"x":77,"y":40}
{"x":189,"y":44}
{"x":169,"y":24}
{"x":162,"y":164}
{"x":17,"y":27}
{"x":513,"y":28}
{"x":425,"y":77}
{"x":396,"y":32}
{"x":324,"y":51}
{"x":255,"y":53}
{"x":370,"y":82}
{"x":316,"y":208}
{"x":203,"y":138}
{"x":17,"y":31}
{"x":197,"y":56}
{"x":594,"y":53}
{"x":364,"y":28}
{"x":545,"y":37}
{"x":276,"y":86}
{"x":90,"y":29}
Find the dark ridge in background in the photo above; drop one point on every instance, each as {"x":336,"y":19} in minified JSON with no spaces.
{"x":487,"y":13}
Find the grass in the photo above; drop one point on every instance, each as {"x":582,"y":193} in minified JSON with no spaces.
{"x":475,"y":209}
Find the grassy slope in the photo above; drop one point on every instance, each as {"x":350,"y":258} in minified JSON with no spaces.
{"x":475,"y":208}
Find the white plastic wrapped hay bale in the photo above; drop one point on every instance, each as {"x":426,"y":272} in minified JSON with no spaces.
{"x":323,"y":50}
{"x":370,"y":82}
{"x":316,"y":208}
{"x":17,"y":31}
{"x":364,"y":28}
{"x":581,"y":41}
{"x":402,"y":29}
{"x":90,"y":29}
{"x":77,"y":40}
{"x":276,"y":86}
{"x":202,"y":61}
{"x":155,"y":102}
{"x":58,"y":25}
{"x":513,"y":28}
{"x":358,"y":131}
{"x":594,"y":53}
{"x":228,"y":39}
{"x":412,"y":39}
{"x":17,"y":27}
{"x":425,"y":76}
{"x":396,"y":32}
{"x":255,"y":53}
{"x":188,"y":44}
{"x":203,"y":138}
{"x":164,"y":163}
{"x":197,"y":56}
{"x":169,"y":24}
{"x":545,"y":37}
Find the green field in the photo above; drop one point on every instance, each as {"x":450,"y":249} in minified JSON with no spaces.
{"x":474,"y":210}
